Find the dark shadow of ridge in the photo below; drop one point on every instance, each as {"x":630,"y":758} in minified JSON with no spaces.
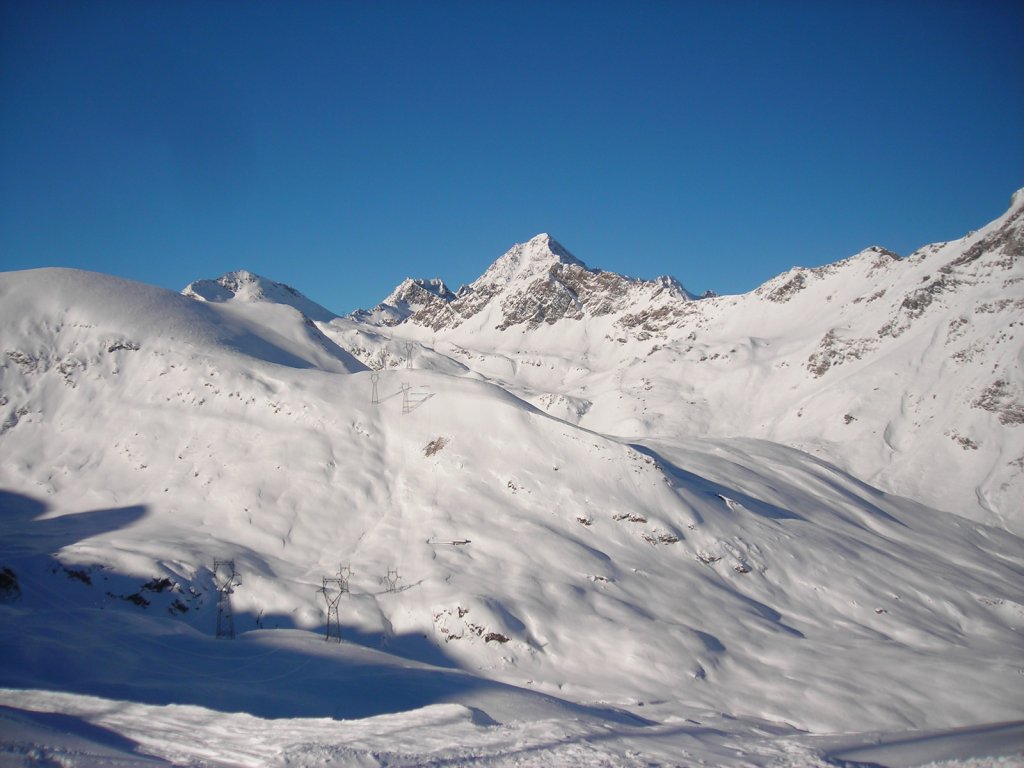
{"x":270,"y":674}
{"x":22,"y":532}
{"x":75,"y":642}
{"x":413,"y":646}
{"x":69,"y":725}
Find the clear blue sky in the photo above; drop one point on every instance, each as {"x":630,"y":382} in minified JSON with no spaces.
{"x":341,"y":146}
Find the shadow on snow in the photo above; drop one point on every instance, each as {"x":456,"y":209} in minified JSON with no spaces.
{"x":56,"y":636}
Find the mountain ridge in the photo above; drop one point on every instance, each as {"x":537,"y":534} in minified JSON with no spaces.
{"x":548,"y":284}
{"x":816,"y":358}
{"x":875,"y":361}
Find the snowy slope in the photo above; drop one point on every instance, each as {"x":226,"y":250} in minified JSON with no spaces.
{"x":907,"y":372}
{"x":555,"y":587}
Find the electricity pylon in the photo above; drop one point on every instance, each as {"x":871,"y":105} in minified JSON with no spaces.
{"x":332,"y":599}
{"x":225,"y":579}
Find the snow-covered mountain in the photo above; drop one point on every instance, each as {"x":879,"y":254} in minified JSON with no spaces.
{"x":539,"y":283}
{"x":560,"y":546}
{"x":411,"y":296}
{"x":243,"y":287}
{"x":905,"y":371}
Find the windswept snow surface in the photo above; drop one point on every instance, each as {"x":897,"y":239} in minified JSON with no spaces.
{"x":557,"y":596}
{"x":906,"y":372}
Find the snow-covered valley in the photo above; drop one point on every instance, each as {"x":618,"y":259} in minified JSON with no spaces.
{"x":583,"y":519}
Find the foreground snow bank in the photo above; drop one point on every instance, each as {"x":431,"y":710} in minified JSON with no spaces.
{"x":45,"y":728}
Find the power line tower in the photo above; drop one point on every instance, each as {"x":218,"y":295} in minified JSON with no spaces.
{"x":226,"y":580}
{"x":375,"y":395}
{"x":409,"y":346}
{"x":392,"y":579}
{"x":332,"y":590}
{"x":345,"y":576}
{"x":411,"y":400}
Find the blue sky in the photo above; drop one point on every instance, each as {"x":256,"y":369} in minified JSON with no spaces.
{"x":342,"y":146}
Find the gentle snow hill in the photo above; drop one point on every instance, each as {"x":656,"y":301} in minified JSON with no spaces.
{"x":907,"y":372}
{"x":69,"y":320}
{"x":146,"y":435}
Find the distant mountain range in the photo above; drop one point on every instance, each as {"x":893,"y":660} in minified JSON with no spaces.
{"x":905,"y":371}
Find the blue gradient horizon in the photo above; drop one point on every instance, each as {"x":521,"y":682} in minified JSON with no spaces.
{"x":342,"y":146}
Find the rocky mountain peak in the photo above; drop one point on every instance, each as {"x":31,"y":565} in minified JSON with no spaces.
{"x":411,"y":296}
{"x":413,"y":293}
{"x":525,"y":260}
{"x":240,"y":283}
{"x":1017,"y":199}
{"x":533,"y":283}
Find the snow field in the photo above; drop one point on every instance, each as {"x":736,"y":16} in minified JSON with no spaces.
{"x":608,"y":587}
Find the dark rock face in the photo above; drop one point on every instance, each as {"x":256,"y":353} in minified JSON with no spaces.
{"x":788,"y":289}
{"x":1001,"y":399}
{"x":1008,"y":241}
{"x":991,"y":255}
{"x":834,"y":350}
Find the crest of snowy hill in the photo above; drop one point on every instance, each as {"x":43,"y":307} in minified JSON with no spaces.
{"x":244,"y":286}
{"x":531,"y":575}
{"x":76,"y":325}
{"x":277,"y":310}
{"x":905,"y":371}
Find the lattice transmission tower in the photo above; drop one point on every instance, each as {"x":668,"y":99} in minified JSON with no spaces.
{"x":391,"y":580}
{"x":332,"y":590}
{"x":345,"y":575}
{"x":406,"y":406}
{"x":226,"y":580}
